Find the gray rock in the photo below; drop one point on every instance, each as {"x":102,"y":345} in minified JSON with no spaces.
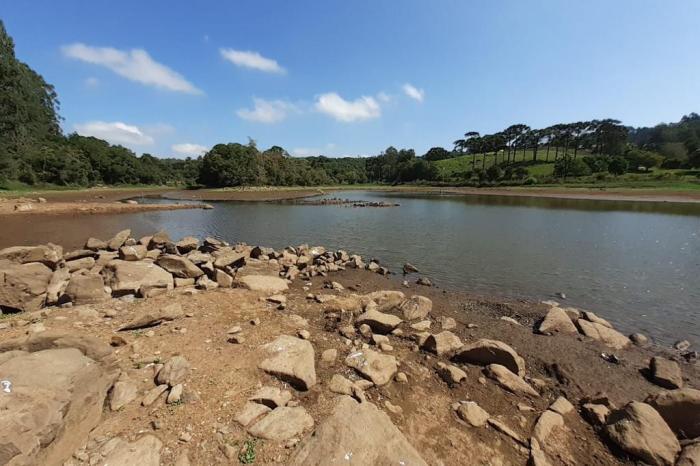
{"x":118,"y":240}
{"x":144,"y":452}
{"x":292,"y":360}
{"x":557,"y":321}
{"x":377,"y":367}
{"x":24,"y":286}
{"x":174,"y":371}
{"x":282,"y":424}
{"x":416,"y":307}
{"x":379,"y":321}
{"x":179,"y":266}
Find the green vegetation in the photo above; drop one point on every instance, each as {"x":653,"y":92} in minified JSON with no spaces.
{"x":247,"y":454}
{"x":35,"y":154}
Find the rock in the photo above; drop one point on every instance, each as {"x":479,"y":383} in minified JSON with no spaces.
{"x":86,"y":289}
{"x":282,"y":424}
{"x":133,"y":253}
{"x":155,"y":317}
{"x":48,"y":254}
{"x":356,"y":433}
{"x":409,"y":268}
{"x":230,"y":258}
{"x":304,"y":334}
{"x":473,"y":414}
{"x":264,"y":283}
{"x":640,"y":431}
{"x":557,"y":321}
{"x":292,"y":360}
{"x":451,"y":374}
{"x":153,"y":394}
{"x":639,"y":339}
{"x":416,"y":307}
{"x":78,"y":254}
{"x":57,"y":285}
{"x":401,"y":377}
{"x":340,"y":385}
{"x":597,"y":414}
{"x":447,"y":323}
{"x":82,"y":263}
{"x":352,"y":303}
{"x":681,"y":345}
{"x":443,"y":344}
{"x":95,"y":244}
{"x":377,"y":367}
{"x":57,"y":397}
{"x":562,"y":406}
{"x":251,"y":412}
{"x":385,"y":299}
{"x":175,"y":395}
{"x":144,"y":452}
{"x":485,"y":352}
{"x":504,"y":429}
{"x":277,"y":299}
{"x":680,"y":409}
{"x":591,"y":317}
{"x":174,"y":371}
{"x":379,"y":321}
{"x":24,"y":286}
{"x":329,"y":355}
{"x":187,"y":244}
{"x":665,"y":373}
{"x":204,"y":283}
{"x":123,"y":393}
{"x":136,"y":277}
{"x":690,"y":456}
{"x":159,"y":240}
{"x":117,"y":241}
{"x":223,"y":279}
{"x":183,"y":282}
{"x":179,"y":266}
{"x":421,"y":326}
{"x":510,"y":320}
{"x":425,"y":281}
{"x":605,"y":335}
{"x":272,"y":397}
{"x":508,"y":380}
{"x":546,"y":423}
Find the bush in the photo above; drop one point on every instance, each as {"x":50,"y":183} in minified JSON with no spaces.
{"x":494,"y":172}
{"x":618,"y":166}
{"x":567,"y":166}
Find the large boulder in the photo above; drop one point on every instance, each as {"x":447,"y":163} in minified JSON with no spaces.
{"x":57,"y":285}
{"x":125,"y":277}
{"x":357,"y":433}
{"x":179,"y":266}
{"x":376,"y":367}
{"x":292,"y":360}
{"x":47,"y":254}
{"x":379,"y":321}
{"x":680,"y":409}
{"x":557,"y":321}
{"x":444,"y":343}
{"x":144,"y":452}
{"x":665,"y":373}
{"x":54,"y":401}
{"x":86,"y":289}
{"x":416,"y":307}
{"x":485,"y":352}
{"x":385,"y":299}
{"x":229,"y":258}
{"x":690,"y":456}
{"x":606,"y":335}
{"x":283,"y":423}
{"x":118,"y":240}
{"x":23,"y":286}
{"x":640,"y":431}
{"x":264,"y":283}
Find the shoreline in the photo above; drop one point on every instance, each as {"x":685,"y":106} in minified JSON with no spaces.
{"x":180,"y":361}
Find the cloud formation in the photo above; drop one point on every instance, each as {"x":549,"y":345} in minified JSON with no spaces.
{"x":413,"y":92}
{"x":253,"y":60}
{"x":187,"y":148}
{"x":115,"y":132}
{"x":135,"y":65}
{"x":363,"y":108}
{"x":267,"y":111}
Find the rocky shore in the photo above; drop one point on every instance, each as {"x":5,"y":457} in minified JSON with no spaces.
{"x":152,"y":351}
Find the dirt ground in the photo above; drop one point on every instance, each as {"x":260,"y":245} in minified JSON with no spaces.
{"x":224,"y":375}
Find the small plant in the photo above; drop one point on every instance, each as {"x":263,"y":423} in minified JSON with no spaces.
{"x":247,"y":454}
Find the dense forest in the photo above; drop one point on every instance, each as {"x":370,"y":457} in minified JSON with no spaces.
{"x":34,"y":151}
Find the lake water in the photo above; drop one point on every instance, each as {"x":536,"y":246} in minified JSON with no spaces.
{"x":636,"y":263}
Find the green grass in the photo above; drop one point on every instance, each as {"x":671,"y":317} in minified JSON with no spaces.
{"x":457,"y":166}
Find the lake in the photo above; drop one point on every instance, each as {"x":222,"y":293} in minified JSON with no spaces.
{"x":635,"y":263}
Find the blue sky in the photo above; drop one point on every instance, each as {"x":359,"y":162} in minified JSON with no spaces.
{"x":336,"y":77}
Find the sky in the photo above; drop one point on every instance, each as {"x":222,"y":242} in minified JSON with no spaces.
{"x":336,"y":77}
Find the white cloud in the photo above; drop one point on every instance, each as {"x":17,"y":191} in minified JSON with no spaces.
{"x":267,"y":111}
{"x":363,"y":108}
{"x":383,"y":97}
{"x":135,"y":65}
{"x":187,"y":148}
{"x":115,"y":132}
{"x":92,"y":82}
{"x":413,"y":92}
{"x":254,"y":60}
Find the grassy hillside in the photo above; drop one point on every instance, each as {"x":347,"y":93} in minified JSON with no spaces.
{"x":455,"y":167}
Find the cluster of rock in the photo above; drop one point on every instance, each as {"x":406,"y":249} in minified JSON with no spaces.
{"x":32,"y":277}
{"x":345,"y":202}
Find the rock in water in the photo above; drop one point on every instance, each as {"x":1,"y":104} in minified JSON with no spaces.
{"x":357,"y":433}
{"x":379,"y":368}
{"x":557,"y":321}
{"x":665,"y":373}
{"x":487,"y":352}
{"x":680,"y":409}
{"x":641,"y":431}
{"x":292,"y":360}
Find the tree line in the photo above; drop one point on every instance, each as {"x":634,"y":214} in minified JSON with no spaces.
{"x":33,"y":150}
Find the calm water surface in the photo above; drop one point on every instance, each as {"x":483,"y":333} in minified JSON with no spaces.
{"x":637,"y":264}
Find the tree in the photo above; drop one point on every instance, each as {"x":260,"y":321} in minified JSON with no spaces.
{"x":437,"y":153}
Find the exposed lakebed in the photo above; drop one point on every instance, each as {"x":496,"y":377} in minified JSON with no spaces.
{"x":636,"y":263}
